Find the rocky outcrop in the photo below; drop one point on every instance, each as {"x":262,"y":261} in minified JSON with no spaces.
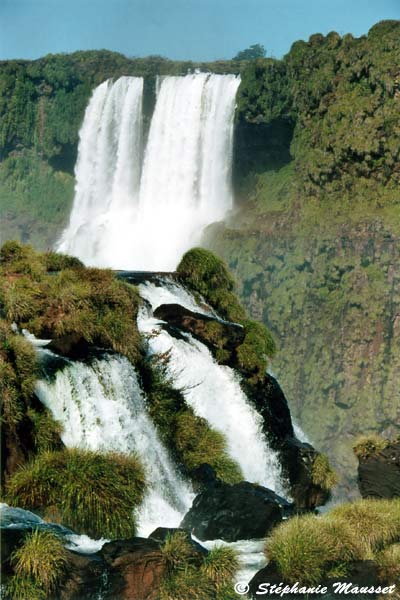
{"x":298,"y":461}
{"x":215,"y":333}
{"x":135,"y":568}
{"x":297,"y":458}
{"x":235,"y":512}
{"x":86,"y":578}
{"x":269,"y":400}
{"x":379,"y":473}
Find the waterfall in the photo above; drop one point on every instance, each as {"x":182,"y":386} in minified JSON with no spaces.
{"x":101,"y":407}
{"x":212,"y":390}
{"x":122,"y":219}
{"x":107,"y":173}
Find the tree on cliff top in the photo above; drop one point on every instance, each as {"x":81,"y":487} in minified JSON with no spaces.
{"x":251,"y":53}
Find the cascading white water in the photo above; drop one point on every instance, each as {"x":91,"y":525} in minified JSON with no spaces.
{"x":119,"y":222}
{"x":102,"y":407}
{"x":186,"y":173}
{"x":107,"y":173}
{"x":213,"y":391}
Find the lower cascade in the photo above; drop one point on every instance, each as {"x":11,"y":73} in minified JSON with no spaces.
{"x":102,"y":407}
{"x":212,"y":390}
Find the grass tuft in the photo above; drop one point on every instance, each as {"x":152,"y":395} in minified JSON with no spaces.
{"x":369,"y":445}
{"x":322,"y":473}
{"x":185,"y":578}
{"x":41,"y":559}
{"x":197,"y":444}
{"x":306,"y":547}
{"x":310,"y":548}
{"x":389,"y":564}
{"x":94,"y":493}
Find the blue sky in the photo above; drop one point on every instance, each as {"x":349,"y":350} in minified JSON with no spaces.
{"x":178,"y":29}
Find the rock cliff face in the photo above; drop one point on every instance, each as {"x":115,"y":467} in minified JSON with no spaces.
{"x":314,"y":243}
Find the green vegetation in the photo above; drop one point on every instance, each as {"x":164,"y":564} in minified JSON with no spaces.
{"x":389,"y":563}
{"x":18,"y":369}
{"x":92,"y":492}
{"x":322,"y":473}
{"x":85,"y":304}
{"x":198,"y":444}
{"x":314,"y":244}
{"x":251,"y":53}
{"x":39,"y":564}
{"x":369,"y":445}
{"x":309,"y":548}
{"x":192,"y":576}
{"x":205,"y":273}
{"x":190,"y":438}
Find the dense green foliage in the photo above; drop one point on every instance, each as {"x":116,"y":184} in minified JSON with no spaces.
{"x":87,"y":304}
{"x":309,"y":548}
{"x":189,"y":437}
{"x":190,"y":576}
{"x":315,"y":245}
{"x":251,"y":53}
{"x":205,"y":273}
{"x":40,"y":564}
{"x":91,"y":492}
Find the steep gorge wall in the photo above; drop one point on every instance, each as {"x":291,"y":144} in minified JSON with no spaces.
{"x":316,"y":245}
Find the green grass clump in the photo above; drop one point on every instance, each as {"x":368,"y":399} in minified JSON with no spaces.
{"x":198,"y":444}
{"x":18,"y":371}
{"x":190,"y":438}
{"x":322,"y":473}
{"x":23,"y":588}
{"x":205,"y":273}
{"x":220,"y":565}
{"x":94,"y":493}
{"x":53,"y":296}
{"x":189,"y":575}
{"x":306,"y":548}
{"x":39,"y":563}
{"x":389,"y":564}
{"x":309,"y":548}
{"x":257,"y":347}
{"x":46,"y":431}
{"x":369,"y":445}
{"x":375,"y":523}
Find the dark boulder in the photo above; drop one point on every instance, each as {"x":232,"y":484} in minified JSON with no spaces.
{"x":234,"y":512}
{"x":135,"y":568}
{"x":86,"y":578}
{"x":215,"y":333}
{"x":298,"y":459}
{"x":379,"y":474}
{"x":269,"y":400}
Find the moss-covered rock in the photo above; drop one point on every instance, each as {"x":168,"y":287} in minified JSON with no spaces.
{"x":55,"y":296}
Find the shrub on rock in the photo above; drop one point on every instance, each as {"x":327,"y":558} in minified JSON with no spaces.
{"x":92,"y":493}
